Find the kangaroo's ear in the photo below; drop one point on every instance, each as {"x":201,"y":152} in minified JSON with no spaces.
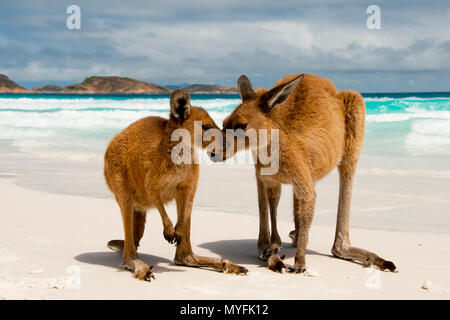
{"x":279,"y":94}
{"x":180,"y":104}
{"x":245,"y":88}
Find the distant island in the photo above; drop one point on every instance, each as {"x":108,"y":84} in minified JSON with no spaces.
{"x":8,"y":86}
{"x":112,"y":85}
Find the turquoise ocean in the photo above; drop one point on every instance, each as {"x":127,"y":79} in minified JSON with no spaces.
{"x":57,"y":142}
{"x":81,"y":125}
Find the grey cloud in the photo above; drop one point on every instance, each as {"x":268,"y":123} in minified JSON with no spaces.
{"x":209,"y":41}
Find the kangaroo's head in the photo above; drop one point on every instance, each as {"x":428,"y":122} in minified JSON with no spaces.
{"x":185,"y":116}
{"x":253,"y":113}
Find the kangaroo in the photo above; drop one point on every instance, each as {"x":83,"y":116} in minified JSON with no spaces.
{"x":141,"y":174}
{"x":319,"y":129}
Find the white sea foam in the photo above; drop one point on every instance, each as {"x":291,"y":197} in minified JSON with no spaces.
{"x":429,"y":136}
{"x":436,"y":127}
{"x":427,"y":142}
{"x":383,"y":99}
{"x":396,"y":117}
{"x":87,"y":103}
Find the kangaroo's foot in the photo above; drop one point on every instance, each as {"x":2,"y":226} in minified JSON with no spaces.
{"x":296,"y":268}
{"x":365,"y":257}
{"x":141,"y":271}
{"x":275,"y":263}
{"x":232,"y":268}
{"x":116,"y":245}
{"x":218,"y":264}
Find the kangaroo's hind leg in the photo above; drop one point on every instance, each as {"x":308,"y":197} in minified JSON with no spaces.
{"x":130,"y":260}
{"x":342,"y":247}
{"x":355,"y":115}
{"x":184,"y":254}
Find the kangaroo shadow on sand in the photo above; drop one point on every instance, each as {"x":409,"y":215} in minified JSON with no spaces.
{"x":114,"y":259}
{"x":245,"y":251}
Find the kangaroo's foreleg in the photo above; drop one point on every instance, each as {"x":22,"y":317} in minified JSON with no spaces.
{"x":169,"y":230}
{"x":273,"y":193}
{"x":296,"y":208}
{"x":342,"y":248}
{"x":304,"y":190}
{"x":264,"y":234}
{"x":184,"y":254}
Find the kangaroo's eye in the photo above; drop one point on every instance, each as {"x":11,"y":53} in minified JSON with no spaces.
{"x":240,"y":126}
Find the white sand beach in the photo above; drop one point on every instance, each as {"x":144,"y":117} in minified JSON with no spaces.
{"x":47,"y":239}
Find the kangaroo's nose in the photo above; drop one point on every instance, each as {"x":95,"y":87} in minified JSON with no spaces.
{"x":211,"y":154}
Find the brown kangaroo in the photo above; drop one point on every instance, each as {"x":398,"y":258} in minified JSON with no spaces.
{"x":319,"y":129}
{"x":140,"y":172}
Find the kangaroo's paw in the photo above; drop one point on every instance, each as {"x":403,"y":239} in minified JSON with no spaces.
{"x":116,"y":245}
{"x":232,"y":268}
{"x":270,"y":251}
{"x":263,"y":255}
{"x":171,"y":235}
{"x":141,"y":271}
{"x":275,"y":263}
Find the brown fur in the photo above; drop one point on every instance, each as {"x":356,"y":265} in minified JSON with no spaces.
{"x":140,"y":172}
{"x":319,"y":129}
{"x":275,"y":263}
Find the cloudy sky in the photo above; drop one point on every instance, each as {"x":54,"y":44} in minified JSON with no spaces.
{"x":205,"y":41}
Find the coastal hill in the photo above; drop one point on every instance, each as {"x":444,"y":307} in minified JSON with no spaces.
{"x":48,"y":88}
{"x":112,"y":85}
{"x":108,"y":85}
{"x":211,"y":89}
{"x":9,"y":86}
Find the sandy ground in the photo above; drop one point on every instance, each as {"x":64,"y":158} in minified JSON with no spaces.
{"x":54,"y":247}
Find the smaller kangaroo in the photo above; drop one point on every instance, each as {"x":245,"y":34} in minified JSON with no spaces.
{"x":141,"y":174}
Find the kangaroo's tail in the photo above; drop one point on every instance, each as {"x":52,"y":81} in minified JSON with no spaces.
{"x":355,"y":112}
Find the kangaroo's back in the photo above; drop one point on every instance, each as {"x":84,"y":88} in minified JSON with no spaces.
{"x":314,"y":104}
{"x":313,"y":117}
{"x":140,"y":139}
